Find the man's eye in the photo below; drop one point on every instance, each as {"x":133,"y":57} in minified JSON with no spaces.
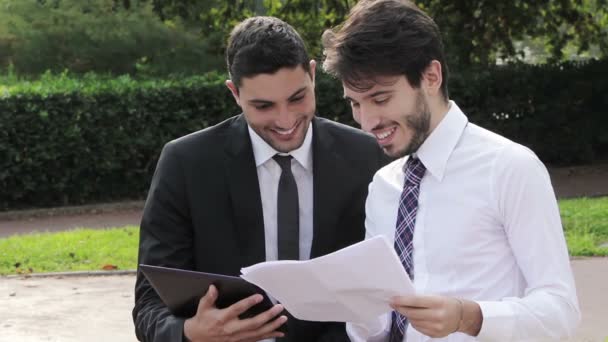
{"x":262,"y":107}
{"x":381,"y":100}
{"x":297,"y":99}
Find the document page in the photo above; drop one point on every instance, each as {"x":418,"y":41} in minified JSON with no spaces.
{"x":354,"y":284}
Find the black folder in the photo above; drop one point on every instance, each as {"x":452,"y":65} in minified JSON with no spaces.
{"x":181,"y":290}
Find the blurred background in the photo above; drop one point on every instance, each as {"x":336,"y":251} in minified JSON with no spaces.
{"x":90,"y":90}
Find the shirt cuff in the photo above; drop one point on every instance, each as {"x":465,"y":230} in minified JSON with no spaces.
{"x":498,"y":321}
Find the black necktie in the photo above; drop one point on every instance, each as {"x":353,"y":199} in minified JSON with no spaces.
{"x":288,"y":213}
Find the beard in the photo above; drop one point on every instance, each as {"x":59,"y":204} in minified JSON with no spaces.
{"x":419,"y":122}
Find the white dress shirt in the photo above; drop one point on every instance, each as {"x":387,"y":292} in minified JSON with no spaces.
{"x":269,"y":173}
{"x":487,"y":229}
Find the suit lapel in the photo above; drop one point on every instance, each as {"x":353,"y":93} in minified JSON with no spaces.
{"x":328,"y":189}
{"x":245,"y":194}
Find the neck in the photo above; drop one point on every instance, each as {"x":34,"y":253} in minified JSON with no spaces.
{"x":438,"y":108}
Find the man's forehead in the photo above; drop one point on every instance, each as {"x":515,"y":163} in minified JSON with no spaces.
{"x":370,"y":85}
{"x":276,"y":85}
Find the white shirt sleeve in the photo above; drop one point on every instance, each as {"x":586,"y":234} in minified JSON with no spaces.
{"x":528,"y":208}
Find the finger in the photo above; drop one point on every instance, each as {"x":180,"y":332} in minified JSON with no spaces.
{"x":236,"y":309}
{"x":423,"y":324}
{"x":414,"y":313}
{"x":263,"y":318}
{"x":416,"y":301}
{"x":268,"y":329}
{"x":425,"y":328}
{"x":274,"y":325}
{"x":433,"y":328}
{"x":208,"y":300}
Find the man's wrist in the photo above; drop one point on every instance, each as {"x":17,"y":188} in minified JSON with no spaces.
{"x":471,"y":319}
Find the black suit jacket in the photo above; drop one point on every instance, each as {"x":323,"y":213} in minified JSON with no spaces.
{"x":204,"y":212}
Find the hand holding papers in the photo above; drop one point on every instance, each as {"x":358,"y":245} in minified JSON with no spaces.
{"x":354,"y":284}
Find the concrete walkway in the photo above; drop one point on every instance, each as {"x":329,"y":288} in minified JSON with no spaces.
{"x":67,"y":218}
{"x":67,"y":309}
{"x":98,"y":308}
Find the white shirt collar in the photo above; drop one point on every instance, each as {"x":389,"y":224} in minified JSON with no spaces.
{"x":262,"y":151}
{"x":438,"y":147}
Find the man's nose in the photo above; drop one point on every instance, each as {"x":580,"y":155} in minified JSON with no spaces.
{"x":286,"y":118}
{"x":367,"y":118}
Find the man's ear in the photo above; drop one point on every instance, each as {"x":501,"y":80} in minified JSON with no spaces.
{"x":234,"y":90}
{"x":313,"y":69}
{"x":432,"y":78}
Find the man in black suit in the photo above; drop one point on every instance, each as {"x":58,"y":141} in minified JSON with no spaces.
{"x":275,"y":182}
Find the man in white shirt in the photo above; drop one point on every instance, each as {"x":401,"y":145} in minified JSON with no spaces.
{"x":275,"y":182}
{"x":472,"y":215}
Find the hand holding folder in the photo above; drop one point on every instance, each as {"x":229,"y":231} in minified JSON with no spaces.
{"x":181,"y":290}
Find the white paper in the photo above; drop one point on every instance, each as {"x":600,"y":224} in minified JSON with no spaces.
{"x":354,"y":284}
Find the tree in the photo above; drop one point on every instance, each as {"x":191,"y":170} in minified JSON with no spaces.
{"x":106,"y":36}
{"x":217,"y":18}
{"x":476,"y":32}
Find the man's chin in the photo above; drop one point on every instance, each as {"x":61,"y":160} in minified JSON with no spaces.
{"x":283,"y":148}
{"x":286,"y":146}
{"x":395,"y":153}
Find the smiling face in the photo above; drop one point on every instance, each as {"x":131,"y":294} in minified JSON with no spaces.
{"x":280,"y":106}
{"x":397,"y":114}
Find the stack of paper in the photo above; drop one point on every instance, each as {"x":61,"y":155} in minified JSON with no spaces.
{"x":354,"y":284}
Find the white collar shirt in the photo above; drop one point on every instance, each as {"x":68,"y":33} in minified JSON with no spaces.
{"x":487,"y":229}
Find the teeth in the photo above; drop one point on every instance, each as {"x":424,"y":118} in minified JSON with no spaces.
{"x":385,"y":134}
{"x":286,"y":132}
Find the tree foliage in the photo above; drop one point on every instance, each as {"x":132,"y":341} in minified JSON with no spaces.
{"x":106,"y":36}
{"x":476,"y":31}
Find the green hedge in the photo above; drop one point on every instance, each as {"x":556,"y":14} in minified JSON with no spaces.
{"x":560,"y":111}
{"x":71,"y":141}
{"x":87,"y":141}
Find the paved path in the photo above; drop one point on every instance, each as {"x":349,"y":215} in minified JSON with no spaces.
{"x":74,"y":309}
{"x":567,"y":181}
{"x":70,"y":221}
{"x":68,"y":309}
{"x":591,"y":276}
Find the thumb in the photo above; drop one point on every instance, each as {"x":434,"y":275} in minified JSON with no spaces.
{"x":208,"y":300}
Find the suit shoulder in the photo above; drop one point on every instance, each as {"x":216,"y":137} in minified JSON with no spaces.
{"x":204,"y":141}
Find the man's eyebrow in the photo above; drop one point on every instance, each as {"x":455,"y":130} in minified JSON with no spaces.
{"x":380,"y":92}
{"x":268,"y":102}
{"x":297,"y":92}
{"x":374,"y":94}
{"x":260,"y":101}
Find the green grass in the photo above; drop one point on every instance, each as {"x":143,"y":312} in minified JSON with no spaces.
{"x":585,"y":224}
{"x":76,"y":250}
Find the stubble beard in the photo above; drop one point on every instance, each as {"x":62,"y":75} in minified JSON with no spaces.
{"x":420,"y":124}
